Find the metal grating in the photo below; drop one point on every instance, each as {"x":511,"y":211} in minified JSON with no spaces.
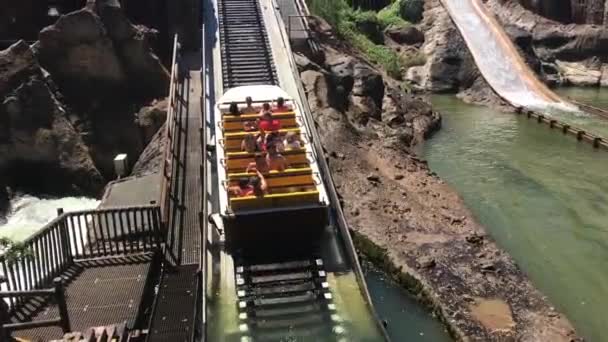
{"x":98,"y":292}
{"x":287,"y":300}
{"x":174,"y":312}
{"x":246,"y":54}
{"x":186,"y":178}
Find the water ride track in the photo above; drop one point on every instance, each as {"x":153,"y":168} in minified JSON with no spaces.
{"x":246,"y":54}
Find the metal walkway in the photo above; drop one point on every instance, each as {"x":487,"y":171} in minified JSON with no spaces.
{"x":246,"y":54}
{"x":98,"y":292}
{"x":187,"y":155}
{"x":174,"y":313}
{"x":175,"y":307}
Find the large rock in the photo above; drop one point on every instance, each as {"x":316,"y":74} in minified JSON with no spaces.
{"x":348,"y":95}
{"x":151,"y":159}
{"x":36,"y":137}
{"x":553,"y":41}
{"x":150,"y":118}
{"x":569,"y":11}
{"x":445,"y":50}
{"x":578,"y":74}
{"x":97,"y":53}
{"x":409,"y":35}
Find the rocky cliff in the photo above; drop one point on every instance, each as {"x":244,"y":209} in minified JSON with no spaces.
{"x":39,"y":147}
{"x":404,"y":217}
{"x":568,"y":11}
{"x":68,"y":104}
{"x":561,"y":54}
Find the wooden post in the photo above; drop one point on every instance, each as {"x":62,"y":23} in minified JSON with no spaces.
{"x":65,"y":239}
{"x":4,"y":317}
{"x":62,"y":305}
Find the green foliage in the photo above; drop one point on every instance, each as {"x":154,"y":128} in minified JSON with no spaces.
{"x":411,"y":10}
{"x":389,"y":16}
{"x":378,"y":54}
{"x":330,"y":10}
{"x":348,"y":23}
{"x":367,"y":23}
{"x":14,"y":251}
{"x":414,"y":59}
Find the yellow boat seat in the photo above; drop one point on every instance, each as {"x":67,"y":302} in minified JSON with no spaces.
{"x":253,"y":117}
{"x":236,"y":124}
{"x":237,"y":161}
{"x":225,"y":108}
{"x":274,"y":200}
{"x":276,"y":179}
{"x":232,"y":141}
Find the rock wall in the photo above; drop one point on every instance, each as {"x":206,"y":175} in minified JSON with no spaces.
{"x":567,"y":54}
{"x":68,"y":104}
{"x":345,"y":92}
{"x":569,"y":11}
{"x":39,"y":147}
{"x":449,"y":66}
{"x":96,"y":53}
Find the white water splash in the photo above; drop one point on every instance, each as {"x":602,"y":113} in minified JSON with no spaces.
{"x":29,"y":213}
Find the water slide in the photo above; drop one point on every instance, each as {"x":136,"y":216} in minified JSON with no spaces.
{"x":498,"y":59}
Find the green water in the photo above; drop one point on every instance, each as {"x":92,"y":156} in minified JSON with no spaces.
{"x":406,"y":319}
{"x":542,"y":196}
{"x":597,"y":97}
{"x":344,"y":317}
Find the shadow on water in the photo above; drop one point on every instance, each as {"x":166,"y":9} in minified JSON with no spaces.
{"x":406,"y":319}
{"x":541,"y":195}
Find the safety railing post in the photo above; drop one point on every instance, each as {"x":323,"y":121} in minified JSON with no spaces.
{"x":62,"y":305}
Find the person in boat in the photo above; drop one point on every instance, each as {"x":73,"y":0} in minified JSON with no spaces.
{"x":268,"y":123}
{"x":275,"y":160}
{"x":249,"y":109}
{"x":250,"y":144}
{"x":265,"y":109}
{"x":274,"y":139}
{"x":281,"y":107}
{"x":292,"y":141}
{"x":259,"y":164}
{"x":234,"y":109}
{"x":252,"y":186}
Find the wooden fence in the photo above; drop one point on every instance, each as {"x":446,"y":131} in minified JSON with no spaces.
{"x":579,"y":134}
{"x":76,"y":236}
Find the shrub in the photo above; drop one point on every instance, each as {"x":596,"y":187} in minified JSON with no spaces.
{"x":411,"y":10}
{"x":390,"y":16}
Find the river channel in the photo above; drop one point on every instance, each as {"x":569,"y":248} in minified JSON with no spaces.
{"x":542,"y":196}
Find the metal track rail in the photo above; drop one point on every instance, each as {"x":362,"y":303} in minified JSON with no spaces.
{"x":246,"y":54}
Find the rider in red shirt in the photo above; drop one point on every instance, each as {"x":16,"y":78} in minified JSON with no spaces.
{"x":267,"y":123}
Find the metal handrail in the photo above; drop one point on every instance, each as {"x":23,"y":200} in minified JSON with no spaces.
{"x":203,"y":212}
{"x":80,"y":235}
{"x":56,"y":291}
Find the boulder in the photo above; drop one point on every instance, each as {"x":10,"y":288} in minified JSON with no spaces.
{"x":151,"y":159}
{"x":368,"y":82}
{"x":151,"y":117}
{"x":317,"y":89}
{"x":16,"y":62}
{"x":578,"y":74}
{"x":97,"y":53}
{"x":409,"y":35}
{"x":36,"y":137}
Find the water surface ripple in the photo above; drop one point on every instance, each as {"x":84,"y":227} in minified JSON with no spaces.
{"x":542,"y":196}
